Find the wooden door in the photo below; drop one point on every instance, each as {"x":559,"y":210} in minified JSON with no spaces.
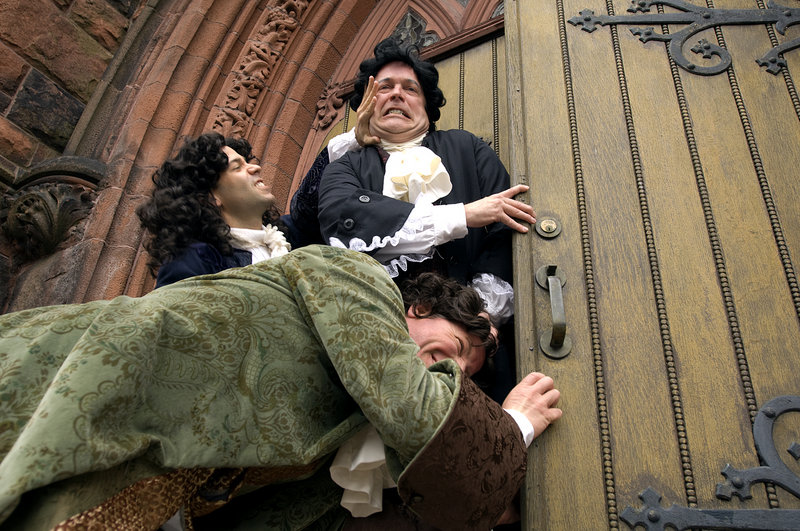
{"x":676,"y":197}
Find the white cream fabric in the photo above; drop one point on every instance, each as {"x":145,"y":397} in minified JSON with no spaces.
{"x":341,"y":144}
{"x":497,"y":294}
{"x":360,"y":469}
{"x":264,"y":244}
{"x":414,"y":173}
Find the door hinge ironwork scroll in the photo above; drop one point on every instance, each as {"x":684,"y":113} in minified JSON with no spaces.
{"x":698,"y":19}
{"x":738,"y":482}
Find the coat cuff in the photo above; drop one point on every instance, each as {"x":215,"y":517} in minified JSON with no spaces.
{"x":470,"y":471}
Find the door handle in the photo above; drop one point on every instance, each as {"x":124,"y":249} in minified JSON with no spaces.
{"x":554,"y":342}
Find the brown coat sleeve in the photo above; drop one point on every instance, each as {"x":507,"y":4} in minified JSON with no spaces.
{"x":467,"y":475}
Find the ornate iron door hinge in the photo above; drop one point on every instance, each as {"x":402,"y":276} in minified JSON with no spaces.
{"x":738,"y":482}
{"x":699,"y":19}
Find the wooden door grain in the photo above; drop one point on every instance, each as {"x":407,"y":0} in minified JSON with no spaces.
{"x":676,"y":197}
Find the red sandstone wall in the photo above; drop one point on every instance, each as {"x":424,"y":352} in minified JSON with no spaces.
{"x":52,"y":56}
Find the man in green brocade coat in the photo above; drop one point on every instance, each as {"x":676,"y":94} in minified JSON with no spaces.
{"x":123,"y":413}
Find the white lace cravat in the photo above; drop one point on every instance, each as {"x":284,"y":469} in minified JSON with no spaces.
{"x":414,"y":173}
{"x":360,"y":469}
{"x":264,"y":244}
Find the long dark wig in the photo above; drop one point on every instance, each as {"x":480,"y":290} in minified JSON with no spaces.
{"x":182,"y":209}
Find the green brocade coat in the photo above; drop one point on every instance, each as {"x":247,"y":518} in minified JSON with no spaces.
{"x":270,"y":367}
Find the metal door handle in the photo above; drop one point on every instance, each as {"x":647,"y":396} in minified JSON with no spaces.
{"x":554,"y":343}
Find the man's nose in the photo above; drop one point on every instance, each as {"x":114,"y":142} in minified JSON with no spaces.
{"x":397,"y":92}
{"x":254,"y":168}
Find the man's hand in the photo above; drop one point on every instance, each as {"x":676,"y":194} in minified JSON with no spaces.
{"x":535,"y":397}
{"x":364,"y":113}
{"x":501,"y":207}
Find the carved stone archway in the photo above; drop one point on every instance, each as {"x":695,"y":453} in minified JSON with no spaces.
{"x":266,"y":69}
{"x":179,"y":72}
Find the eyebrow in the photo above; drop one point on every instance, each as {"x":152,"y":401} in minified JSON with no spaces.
{"x":406,"y":79}
{"x":238,"y":158}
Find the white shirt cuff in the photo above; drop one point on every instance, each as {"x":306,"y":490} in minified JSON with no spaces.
{"x":427,"y":226}
{"x":524,"y":424}
{"x":449,"y":222}
{"x":341,"y":144}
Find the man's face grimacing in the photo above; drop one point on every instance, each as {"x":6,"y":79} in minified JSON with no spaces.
{"x":439,"y":338}
{"x":400,"y":105}
{"x":241,"y":193}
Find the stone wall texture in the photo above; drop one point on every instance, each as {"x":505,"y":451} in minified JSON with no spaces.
{"x":96,"y":94}
{"x":54,"y":54}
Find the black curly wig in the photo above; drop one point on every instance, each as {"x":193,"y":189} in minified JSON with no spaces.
{"x":182,"y":210}
{"x":390,"y":50}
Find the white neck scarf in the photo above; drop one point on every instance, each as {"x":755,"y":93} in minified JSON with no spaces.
{"x":266,"y":243}
{"x":414,"y":172}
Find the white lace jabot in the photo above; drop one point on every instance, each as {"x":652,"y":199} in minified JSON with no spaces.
{"x":360,"y":469}
{"x":414,"y":172}
{"x":264,"y":244}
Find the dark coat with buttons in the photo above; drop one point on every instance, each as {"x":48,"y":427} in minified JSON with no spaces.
{"x":201,"y":258}
{"x":352,"y":205}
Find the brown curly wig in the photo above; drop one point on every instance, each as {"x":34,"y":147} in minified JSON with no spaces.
{"x":433,"y":295}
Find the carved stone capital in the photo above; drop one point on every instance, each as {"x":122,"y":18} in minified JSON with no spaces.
{"x":46,"y":210}
{"x":39,"y":218}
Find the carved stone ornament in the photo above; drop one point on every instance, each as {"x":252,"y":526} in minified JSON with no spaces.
{"x":52,"y":198}
{"x":499,"y":10}
{"x":39,"y":218}
{"x":737,"y":483}
{"x":261,"y":53}
{"x":411,"y":30}
{"x":328,"y":107}
{"x":697,"y":19}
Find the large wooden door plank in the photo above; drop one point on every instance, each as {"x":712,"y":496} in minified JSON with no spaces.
{"x":563,"y":470}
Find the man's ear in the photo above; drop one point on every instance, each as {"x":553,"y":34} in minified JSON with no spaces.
{"x":217,"y":200}
{"x":419,"y":310}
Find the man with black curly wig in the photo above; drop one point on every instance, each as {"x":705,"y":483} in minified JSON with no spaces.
{"x":211,"y":210}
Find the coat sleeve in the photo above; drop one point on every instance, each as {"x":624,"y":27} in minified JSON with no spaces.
{"x":470,"y":471}
{"x":198,"y":259}
{"x":494,"y":254}
{"x":462,"y":457}
{"x":353,"y":212}
{"x":476,"y":172}
{"x":356,"y":311}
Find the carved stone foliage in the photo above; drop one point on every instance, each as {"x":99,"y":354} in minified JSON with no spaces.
{"x":328,"y":107}
{"x":260,"y":54}
{"x":411,"y":30}
{"x":45,"y":213}
{"x":40,"y":217}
